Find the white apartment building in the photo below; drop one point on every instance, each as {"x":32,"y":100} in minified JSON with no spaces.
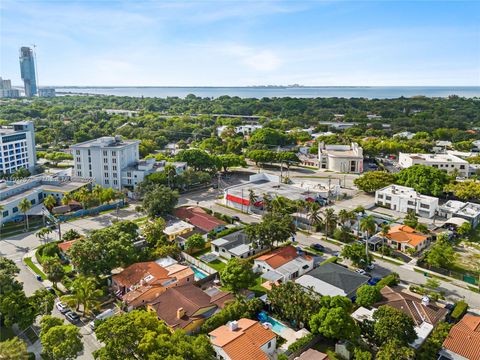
{"x":17,"y":147}
{"x":243,"y":129}
{"x":446,"y":162}
{"x":341,"y":158}
{"x":403,"y":199}
{"x":103,"y":159}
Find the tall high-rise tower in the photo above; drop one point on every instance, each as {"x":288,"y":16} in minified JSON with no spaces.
{"x":27,"y":71}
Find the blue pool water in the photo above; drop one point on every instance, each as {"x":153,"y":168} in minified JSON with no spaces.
{"x":197,"y":273}
{"x":277,"y":326}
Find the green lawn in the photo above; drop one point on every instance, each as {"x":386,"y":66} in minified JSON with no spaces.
{"x":17,"y":228}
{"x":217,"y":265}
{"x":258,"y":289}
{"x":36,"y":270}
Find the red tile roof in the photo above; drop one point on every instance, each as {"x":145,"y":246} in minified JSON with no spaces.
{"x":198,"y":217}
{"x":279,"y":257}
{"x":412,"y":306}
{"x":148,"y":272}
{"x":245,"y":342}
{"x":464,"y":337}
{"x":64,"y":246}
{"x":405,"y":234}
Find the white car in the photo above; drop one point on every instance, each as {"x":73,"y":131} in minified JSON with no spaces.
{"x":63,"y":308}
{"x":361,"y":271}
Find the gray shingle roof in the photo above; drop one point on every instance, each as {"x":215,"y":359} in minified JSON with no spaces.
{"x":339,"y":277}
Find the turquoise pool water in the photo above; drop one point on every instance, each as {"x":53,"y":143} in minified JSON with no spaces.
{"x":277,"y":326}
{"x":197,"y":273}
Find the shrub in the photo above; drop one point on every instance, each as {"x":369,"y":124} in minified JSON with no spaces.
{"x":389,"y":280}
{"x":300,"y":343}
{"x":459,"y":310}
{"x":329,"y":260}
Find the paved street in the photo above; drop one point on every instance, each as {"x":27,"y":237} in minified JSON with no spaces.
{"x":16,"y":247}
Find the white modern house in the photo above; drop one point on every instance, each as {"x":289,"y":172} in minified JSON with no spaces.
{"x":241,"y":129}
{"x":446,"y":162}
{"x":405,"y":134}
{"x":17,"y":145}
{"x":341,"y":158}
{"x":402,"y":199}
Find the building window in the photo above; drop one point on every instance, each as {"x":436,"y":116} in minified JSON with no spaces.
{"x":114,"y":153}
{"x":90,"y":174}
{"x":114,"y":167}
{"x":106,"y":182}
{"x":114,"y":161}
{"x":388,"y":198}
{"x":79,"y":173}
{"x":89,"y":159}
{"x":105,"y":167}
{"x":5,"y":213}
{"x":114,"y":175}
{"x":105,"y":175}
{"x":269,"y":344}
{"x":425,"y":206}
{"x":79,"y":167}
{"x":411,"y":202}
{"x":77,"y":152}
{"x":115,"y":182}
{"x":104,"y":153}
{"x":88,"y":152}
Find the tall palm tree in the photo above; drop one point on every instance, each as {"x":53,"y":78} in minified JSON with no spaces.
{"x":252,"y":198}
{"x":384,"y":232}
{"x":314,"y":214}
{"x":345,"y":216}
{"x":67,"y":198}
{"x":84,"y":292}
{"x":83,"y":195}
{"x":330,"y":220}
{"x":24,"y":205}
{"x":170,"y":173}
{"x":368,"y":225}
{"x":50,"y":202}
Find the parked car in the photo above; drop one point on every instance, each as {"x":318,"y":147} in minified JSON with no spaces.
{"x":371,"y":267}
{"x":337,"y":253}
{"x":51,"y":290}
{"x":361,"y":272}
{"x":374,"y":281}
{"x":318,"y":247}
{"x":72,"y":316}
{"x":104,"y":315}
{"x":235,"y":218}
{"x":63,"y":308}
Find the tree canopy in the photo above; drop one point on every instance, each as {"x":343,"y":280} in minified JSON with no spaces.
{"x":237,"y":275}
{"x":426,"y":180}
{"x":374,"y":180}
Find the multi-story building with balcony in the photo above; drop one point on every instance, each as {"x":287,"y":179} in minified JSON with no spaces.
{"x":17,"y":147}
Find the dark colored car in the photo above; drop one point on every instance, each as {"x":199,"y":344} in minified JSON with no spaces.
{"x":374,"y":281}
{"x":318,"y":247}
{"x":235,"y":218}
{"x":72,"y":316}
{"x":51,"y":290}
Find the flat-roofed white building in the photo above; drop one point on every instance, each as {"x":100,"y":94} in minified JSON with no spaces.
{"x":403,"y":199}
{"x":341,"y":158}
{"x":243,"y":129}
{"x":103,"y":159}
{"x":17,"y":147}
{"x":446,"y":162}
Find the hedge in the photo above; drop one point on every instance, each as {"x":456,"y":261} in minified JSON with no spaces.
{"x":300,"y":343}
{"x":389,"y":280}
{"x":459,"y":310}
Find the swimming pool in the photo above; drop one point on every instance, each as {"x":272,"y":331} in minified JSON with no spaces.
{"x":197,"y":273}
{"x":277,"y":326}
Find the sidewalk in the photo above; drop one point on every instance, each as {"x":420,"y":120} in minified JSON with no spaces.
{"x":46,"y":282}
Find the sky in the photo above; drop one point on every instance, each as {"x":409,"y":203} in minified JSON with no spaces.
{"x":242,"y":43}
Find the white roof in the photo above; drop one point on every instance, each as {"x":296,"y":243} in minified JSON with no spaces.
{"x":240,"y":249}
{"x":363,"y":314}
{"x":456,"y":221}
{"x":177,"y":227}
{"x":220,"y":242}
{"x":452,"y":206}
{"x":319,"y":286}
{"x":442,"y":158}
{"x":422,"y":333}
{"x":405,"y":191}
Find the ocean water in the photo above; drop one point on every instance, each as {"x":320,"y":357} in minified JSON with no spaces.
{"x":373,"y":92}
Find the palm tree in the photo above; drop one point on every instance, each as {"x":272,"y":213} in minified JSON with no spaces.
{"x":368,"y":225}
{"x":384,"y":232}
{"x":252,"y":199}
{"x":83,"y":292}
{"x":330,"y":220}
{"x":83,"y":195}
{"x":67,"y":198}
{"x":24,"y":205}
{"x":43,"y":232}
{"x":50,"y":202}
{"x":267,"y":202}
{"x":314,"y":214}
{"x":170,"y":173}
{"x":345,"y":216}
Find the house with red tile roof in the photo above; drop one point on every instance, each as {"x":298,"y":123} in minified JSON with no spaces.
{"x":244,"y":339}
{"x":283,"y":264}
{"x":463,"y":340}
{"x":188,"y":307}
{"x":143,"y":282}
{"x":403,"y":237}
{"x":199,"y":217}
{"x":425,"y":313}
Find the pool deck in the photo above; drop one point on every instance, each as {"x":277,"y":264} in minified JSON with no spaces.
{"x":289,"y":334}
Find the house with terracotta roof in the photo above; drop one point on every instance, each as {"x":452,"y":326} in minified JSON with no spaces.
{"x":188,"y":307}
{"x":199,"y":218}
{"x":244,"y":339}
{"x":425,"y":313}
{"x":143,"y":282}
{"x":65,"y":246}
{"x":463,"y":340}
{"x":283,"y":264}
{"x":312,"y":354}
{"x":402,"y":237}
